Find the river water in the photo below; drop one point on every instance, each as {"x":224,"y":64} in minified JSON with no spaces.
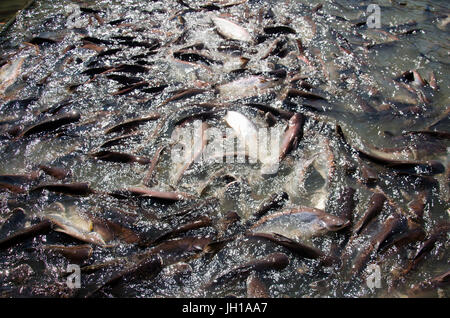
{"x":381,"y":91}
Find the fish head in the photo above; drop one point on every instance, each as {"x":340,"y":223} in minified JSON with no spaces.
{"x":334,"y":223}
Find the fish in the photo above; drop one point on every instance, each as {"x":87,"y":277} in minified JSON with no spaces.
{"x":427,"y":246}
{"x":245,"y":130}
{"x":131,"y":124}
{"x":9,"y":74}
{"x":256,"y":287}
{"x":185,"y":93}
{"x":396,"y":230}
{"x":374,"y":208}
{"x":113,"y":156}
{"x":424,"y":168}
{"x":273,"y":202}
{"x":55,"y":172}
{"x":76,"y":227}
{"x":247,"y":135}
{"x":346,"y":203}
{"x":244,"y":87}
{"x":300,"y":223}
{"x":118,"y":140}
{"x":51,"y":124}
{"x":202,"y":222}
{"x":78,"y":188}
{"x":440,"y":281}
{"x":293,"y":246}
{"x":17,"y":183}
{"x":292,"y":135}
{"x":231,"y":30}
{"x":77,"y":253}
{"x":144,"y":192}
{"x":279,"y":29}
{"x":274,"y":261}
{"x":39,"y":228}
{"x":146,"y":268}
{"x":293,"y":92}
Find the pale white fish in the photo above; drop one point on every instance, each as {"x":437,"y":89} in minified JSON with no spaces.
{"x":71,"y":223}
{"x":244,"y":87}
{"x":231,"y":30}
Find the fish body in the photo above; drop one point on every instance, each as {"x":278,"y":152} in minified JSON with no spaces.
{"x":9,"y":73}
{"x":300,"y":223}
{"x":231,"y":30}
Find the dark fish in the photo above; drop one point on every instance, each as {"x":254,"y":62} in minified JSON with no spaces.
{"x":427,"y":246}
{"x":153,"y":45}
{"x":21,"y":235}
{"x":108,"y":52}
{"x":275,"y":111}
{"x":41,"y":40}
{"x":58,"y":173}
{"x":97,"y":41}
{"x":89,"y":10}
{"x":20,"y":103}
{"x":346,"y":203}
{"x":143,"y":192}
{"x":69,"y":188}
{"x":93,"y":47}
{"x":292,"y":135}
{"x":177,"y":250}
{"x":194,"y":56}
{"x":119,"y":157}
{"x":77,"y":254}
{"x":125,"y":80}
{"x":154,"y":162}
{"x":116,"y":22}
{"x":281,"y":29}
{"x":431,"y":133}
{"x":368,"y":175}
{"x":17,"y":183}
{"x":417,"y":207}
{"x":440,"y":281}
{"x":111,"y":230}
{"x":399,"y":231}
{"x":293,"y":92}
{"x":147,"y":268}
{"x":57,"y":107}
{"x":132,"y":123}
{"x":412,"y":77}
{"x":274,"y":261}
{"x":52,"y":123}
{"x":256,"y":288}
{"x":16,"y":220}
{"x":133,"y":69}
{"x":229,"y":220}
{"x":301,"y":222}
{"x":375,"y":206}
{"x":425,"y":168}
